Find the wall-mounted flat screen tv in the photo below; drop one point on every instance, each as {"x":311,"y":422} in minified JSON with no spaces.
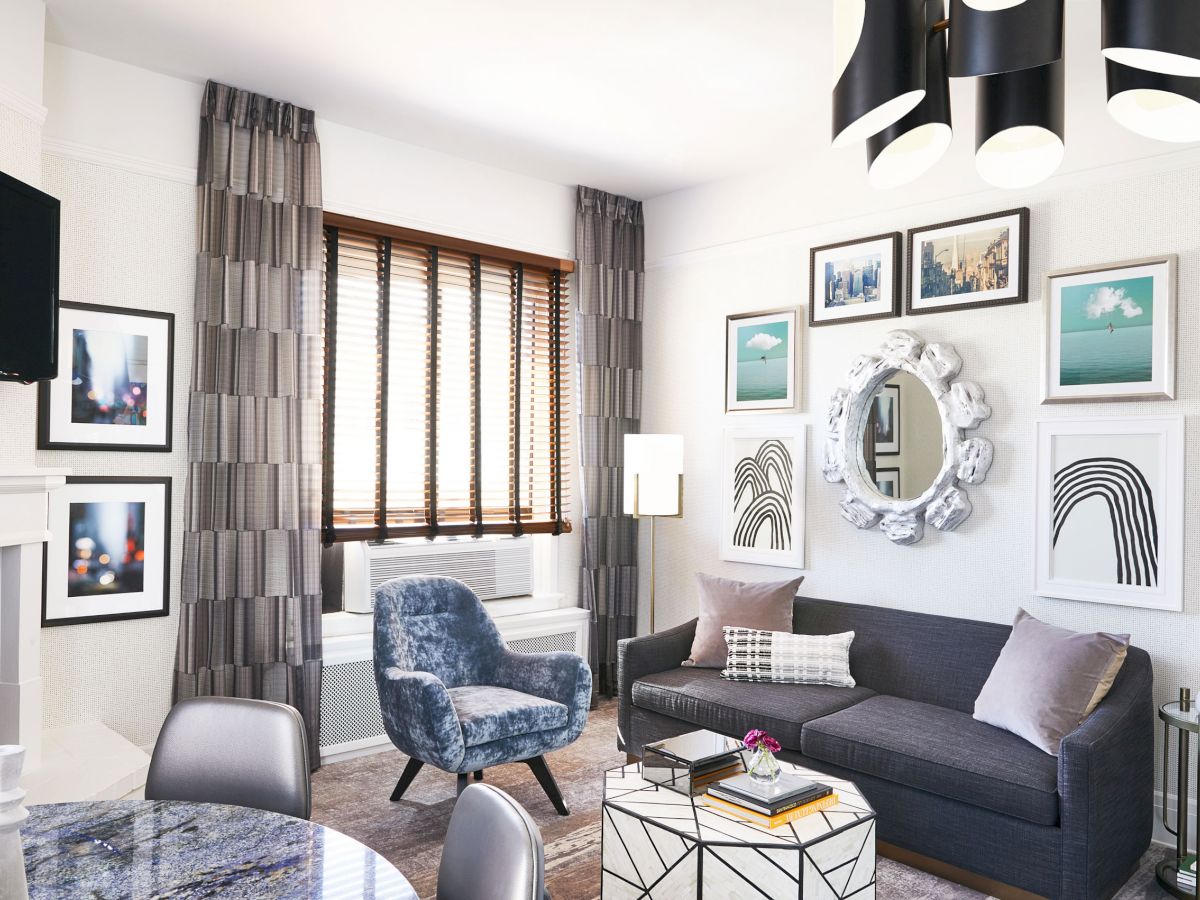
{"x":28,"y":282}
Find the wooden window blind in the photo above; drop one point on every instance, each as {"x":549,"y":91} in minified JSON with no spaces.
{"x":446,"y":386}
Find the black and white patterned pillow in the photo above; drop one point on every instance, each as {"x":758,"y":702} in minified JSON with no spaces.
{"x":788,"y":658}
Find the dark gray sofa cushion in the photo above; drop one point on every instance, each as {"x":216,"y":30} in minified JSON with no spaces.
{"x":733,"y":708}
{"x":933,"y":659}
{"x":939,"y":750}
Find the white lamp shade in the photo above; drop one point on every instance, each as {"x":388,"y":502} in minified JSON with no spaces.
{"x":1019,"y":157}
{"x":911,"y":155}
{"x":653,"y":469}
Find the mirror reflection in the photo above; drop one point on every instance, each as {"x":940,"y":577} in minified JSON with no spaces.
{"x":902,"y":439}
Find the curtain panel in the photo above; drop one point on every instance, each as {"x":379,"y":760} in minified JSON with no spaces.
{"x":610,"y":273}
{"x":250,"y":617}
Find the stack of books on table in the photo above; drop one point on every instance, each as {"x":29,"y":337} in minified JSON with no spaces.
{"x":788,"y":799}
{"x":1186,"y":876}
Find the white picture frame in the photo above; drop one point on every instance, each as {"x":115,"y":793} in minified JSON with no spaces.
{"x":763,"y":523}
{"x":1105,"y":351}
{"x":774,"y":388}
{"x":1110,"y":502}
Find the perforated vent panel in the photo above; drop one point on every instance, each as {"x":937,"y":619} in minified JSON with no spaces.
{"x":492,"y":568}
{"x":544,"y":643}
{"x":349,"y":703}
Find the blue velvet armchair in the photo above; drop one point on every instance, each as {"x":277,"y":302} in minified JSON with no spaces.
{"x":454,"y":696}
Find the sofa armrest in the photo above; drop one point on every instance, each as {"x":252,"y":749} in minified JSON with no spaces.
{"x":638,"y":657}
{"x":562,"y":677}
{"x":1106,"y":785}
{"x":419,"y":717}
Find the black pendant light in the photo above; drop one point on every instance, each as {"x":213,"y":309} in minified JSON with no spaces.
{"x":987,"y":39}
{"x":1154,"y":105}
{"x":1019,"y":129}
{"x":879,"y":67}
{"x":907,"y":149}
{"x":1158,"y":35}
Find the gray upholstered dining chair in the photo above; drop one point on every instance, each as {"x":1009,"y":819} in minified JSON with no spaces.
{"x":230,"y":750}
{"x":493,"y":850}
{"x":453,"y":695}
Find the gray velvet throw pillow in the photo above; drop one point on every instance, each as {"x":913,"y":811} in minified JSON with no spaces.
{"x":1048,"y":680}
{"x":762,"y":605}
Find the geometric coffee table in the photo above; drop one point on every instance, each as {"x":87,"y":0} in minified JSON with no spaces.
{"x":659,"y":844}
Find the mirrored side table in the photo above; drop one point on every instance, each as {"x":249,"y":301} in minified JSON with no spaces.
{"x":1182,"y":716}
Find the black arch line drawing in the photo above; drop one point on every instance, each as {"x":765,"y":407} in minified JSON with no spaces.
{"x":1130,"y":502}
{"x":767,"y":477}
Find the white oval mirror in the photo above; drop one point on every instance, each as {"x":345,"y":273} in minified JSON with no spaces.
{"x":902,"y":438}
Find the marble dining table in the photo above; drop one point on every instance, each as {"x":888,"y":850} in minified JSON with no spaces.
{"x":146,"y":849}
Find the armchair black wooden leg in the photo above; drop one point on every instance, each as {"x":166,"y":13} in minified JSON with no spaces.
{"x":546,"y":780}
{"x":479,"y":775}
{"x":462,"y":782}
{"x":410,"y":772}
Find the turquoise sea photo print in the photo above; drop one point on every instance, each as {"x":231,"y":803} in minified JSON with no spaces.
{"x":1111,"y":332}
{"x":761,"y":368}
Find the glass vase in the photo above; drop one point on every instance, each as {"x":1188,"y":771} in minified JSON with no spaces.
{"x":764,"y":767}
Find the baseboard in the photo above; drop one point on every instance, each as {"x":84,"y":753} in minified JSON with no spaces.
{"x":987,"y":886}
{"x":1161,"y":835}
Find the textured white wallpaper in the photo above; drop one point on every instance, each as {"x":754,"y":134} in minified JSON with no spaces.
{"x":985,"y":569}
{"x":127,"y":240}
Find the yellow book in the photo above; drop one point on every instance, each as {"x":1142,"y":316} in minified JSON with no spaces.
{"x":771,"y":821}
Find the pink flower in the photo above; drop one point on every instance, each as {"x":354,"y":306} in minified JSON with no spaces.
{"x":757,"y":739}
{"x":770,"y":743}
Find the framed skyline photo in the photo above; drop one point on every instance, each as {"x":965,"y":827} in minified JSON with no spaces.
{"x":855,"y":281}
{"x":114,"y":388}
{"x":109,"y":554}
{"x":762,"y":496}
{"x":1110,"y":332}
{"x":1110,"y":499}
{"x":760,"y":361}
{"x":980,"y":261}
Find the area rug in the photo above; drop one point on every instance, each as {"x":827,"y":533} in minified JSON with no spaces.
{"x":353,"y":796}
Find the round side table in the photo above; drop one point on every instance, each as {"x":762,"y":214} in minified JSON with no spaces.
{"x":1185,"y":721}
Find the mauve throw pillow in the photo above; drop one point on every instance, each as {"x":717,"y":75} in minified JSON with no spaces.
{"x":762,"y":605}
{"x":1048,"y":680}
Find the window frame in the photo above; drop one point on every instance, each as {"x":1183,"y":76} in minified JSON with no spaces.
{"x":559,"y":271}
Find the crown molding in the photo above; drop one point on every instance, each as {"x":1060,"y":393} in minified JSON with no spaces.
{"x":113,"y":159}
{"x":20,"y":103}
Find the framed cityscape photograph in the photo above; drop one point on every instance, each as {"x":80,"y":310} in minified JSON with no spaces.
{"x":760,"y":361}
{"x":981,"y":261}
{"x":114,"y":387}
{"x":855,"y":280}
{"x":109,"y":553}
{"x":1110,"y":332}
{"x":762,"y":496}
{"x":1110,"y":501}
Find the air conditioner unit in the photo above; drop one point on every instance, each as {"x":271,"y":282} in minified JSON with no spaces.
{"x":493,"y":568}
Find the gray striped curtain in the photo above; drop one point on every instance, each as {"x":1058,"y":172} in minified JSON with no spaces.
{"x":609,"y":238}
{"x":250,"y":620}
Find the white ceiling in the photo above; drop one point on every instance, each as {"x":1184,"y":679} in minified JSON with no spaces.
{"x":641,"y":97}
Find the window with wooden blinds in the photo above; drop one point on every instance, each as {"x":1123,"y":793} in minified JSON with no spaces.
{"x":446,"y":386}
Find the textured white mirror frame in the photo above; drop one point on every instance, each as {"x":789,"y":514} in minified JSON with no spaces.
{"x":966,"y":460}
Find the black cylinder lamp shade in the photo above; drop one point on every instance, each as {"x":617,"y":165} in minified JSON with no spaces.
{"x":1158,"y":35}
{"x":989,"y":39}
{"x":907,"y":149}
{"x":1154,"y":105}
{"x":883,"y":78}
{"x":1019,"y":129}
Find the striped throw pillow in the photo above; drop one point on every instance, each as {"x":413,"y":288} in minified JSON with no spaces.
{"x":788,"y":658}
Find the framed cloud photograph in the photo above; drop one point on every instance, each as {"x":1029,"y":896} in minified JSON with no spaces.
{"x":980,"y":261}
{"x":114,"y":387}
{"x":1110,"y":332}
{"x":109,"y":554}
{"x":760,"y":361}
{"x":855,"y":280}
{"x":762,"y":501}
{"x":1110,"y":498}
{"x":887,"y":482}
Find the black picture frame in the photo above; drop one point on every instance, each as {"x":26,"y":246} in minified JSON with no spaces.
{"x":1022,"y":242}
{"x":164,"y":609}
{"x":889,"y":470}
{"x":893,"y":390}
{"x":45,"y":388}
{"x":898,"y":270}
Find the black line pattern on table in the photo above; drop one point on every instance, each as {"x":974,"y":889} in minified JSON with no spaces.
{"x":766,"y":478}
{"x":1123,"y":487}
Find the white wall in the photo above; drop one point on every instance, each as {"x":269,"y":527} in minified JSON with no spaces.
{"x":119,"y":150}
{"x":709,"y":265}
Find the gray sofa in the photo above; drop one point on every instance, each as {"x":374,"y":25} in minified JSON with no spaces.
{"x":944,"y":785}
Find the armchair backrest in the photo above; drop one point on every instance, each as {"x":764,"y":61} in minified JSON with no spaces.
{"x":437,"y":625}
